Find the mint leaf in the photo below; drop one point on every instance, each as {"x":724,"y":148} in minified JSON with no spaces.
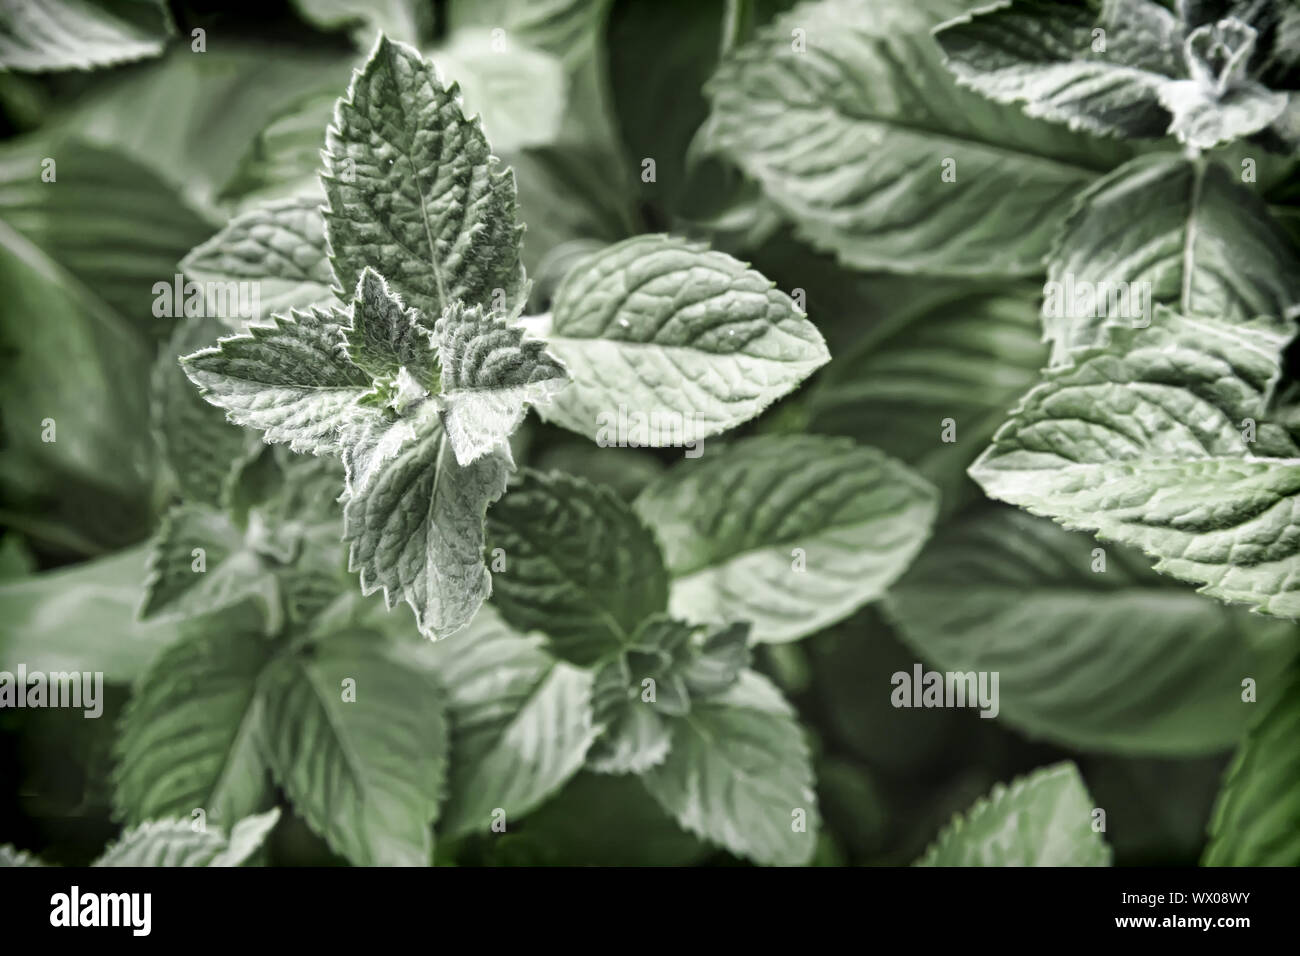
{"x":290,"y":379}
{"x":1046,"y":56}
{"x":412,"y":184}
{"x":1042,"y":819}
{"x":81,"y":34}
{"x":414,"y":518}
{"x":790,"y":533}
{"x":384,"y":337}
{"x":175,"y":843}
{"x":1152,"y":442}
{"x":280,"y":246}
{"x":667,"y":330}
{"x":580,"y":565}
{"x":843,"y":112}
{"x":738,"y":775}
{"x":283,"y":163}
{"x":188,"y":738}
{"x":718,"y":662}
{"x":490,"y":374}
{"x":201,"y":449}
{"x":635,"y":735}
{"x":1254,"y":816}
{"x":521,"y":723}
{"x":405,"y":20}
{"x":1207,"y":246}
{"x":359,"y":745}
{"x":1082,"y":637}
{"x":967,"y":358}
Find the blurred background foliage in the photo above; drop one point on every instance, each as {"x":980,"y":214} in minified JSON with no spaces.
{"x":154,"y":156}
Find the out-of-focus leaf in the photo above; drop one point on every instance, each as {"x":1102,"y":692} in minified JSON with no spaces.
{"x":41,"y":35}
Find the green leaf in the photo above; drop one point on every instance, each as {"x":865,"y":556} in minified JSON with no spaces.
{"x":1204,"y":243}
{"x":1151,"y":443}
{"x":1044,"y":54}
{"x":521,"y":722}
{"x":198,"y":445}
{"x":291,"y":379}
{"x":280,"y":246}
{"x":175,"y":843}
{"x":579,"y":565}
{"x":668,"y":331}
{"x":81,"y":34}
{"x":188,"y":738}
{"x":412,"y":185}
{"x":10,"y":855}
{"x":202,"y":562}
{"x":1042,"y":819}
{"x":842,"y":110}
{"x":565,"y":28}
{"x":490,"y":375}
{"x":367,"y":773}
{"x":790,"y":533}
{"x":1092,"y":649}
{"x":739,"y":772}
{"x":384,"y":337}
{"x":517,"y":91}
{"x":966,"y":358}
{"x":110,"y":220}
{"x":635,"y":734}
{"x":405,"y":20}
{"x":283,"y":161}
{"x":719,"y":661}
{"x":414,"y":518}
{"x":46,"y":617}
{"x":1256,"y":819}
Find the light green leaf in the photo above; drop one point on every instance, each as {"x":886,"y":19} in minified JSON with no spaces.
{"x":1045,"y":55}
{"x":280,"y":246}
{"x":412,"y":186}
{"x":1203,"y":120}
{"x":202,"y":562}
{"x":521,"y":722}
{"x":363,"y":762}
{"x":46,"y":619}
{"x":384,"y":337}
{"x":1256,"y":819}
{"x":966,"y":358}
{"x":188,"y":738}
{"x":10,"y":855}
{"x":198,"y":445}
{"x":738,"y":775}
{"x":1204,"y":243}
{"x":635,"y":735}
{"x":517,"y":91}
{"x":284,"y":159}
{"x":689,"y":340}
{"x":490,"y":375}
{"x":790,"y":533}
{"x":1043,"y":819}
{"x":1151,"y":443}
{"x":579,"y":565}
{"x":1091,"y":648}
{"x":565,"y":28}
{"x":719,"y":661}
{"x":414,"y":518}
{"x":842,"y":110}
{"x":81,"y":34}
{"x":175,"y":843}
{"x":291,"y":379}
{"x":405,"y":20}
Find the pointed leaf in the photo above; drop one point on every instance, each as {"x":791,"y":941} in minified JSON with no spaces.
{"x":384,"y":337}
{"x":175,"y":843}
{"x":81,"y":34}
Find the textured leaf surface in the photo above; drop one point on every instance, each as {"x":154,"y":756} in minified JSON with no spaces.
{"x":1097,"y":656}
{"x":1043,"y":55}
{"x":968,"y":359}
{"x":414,"y":189}
{"x":521,"y":722}
{"x":291,"y":379}
{"x":80,"y":34}
{"x":1207,"y":246}
{"x":790,"y":533}
{"x":737,"y":772}
{"x":850,"y":139}
{"x":490,"y":375}
{"x":174,"y":843}
{"x":367,"y":774}
{"x":280,"y":246}
{"x":1043,"y":819}
{"x":1256,"y":820}
{"x":414,"y":519}
{"x":188,"y":738}
{"x":660,"y":326}
{"x":384,"y":337}
{"x":1146,"y":443}
{"x":580,"y":565}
